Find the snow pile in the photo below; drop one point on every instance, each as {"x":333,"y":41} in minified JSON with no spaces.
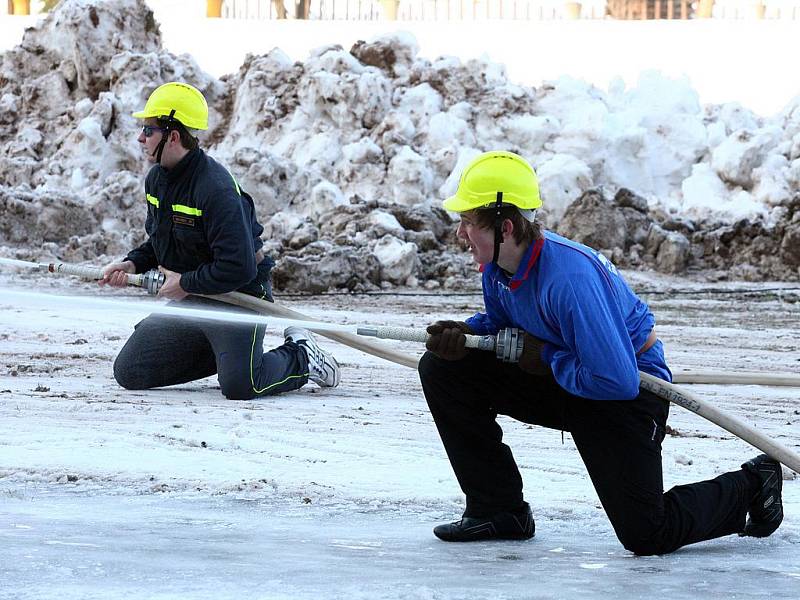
{"x":347,"y":153}
{"x":634,"y":237}
{"x":70,"y":169}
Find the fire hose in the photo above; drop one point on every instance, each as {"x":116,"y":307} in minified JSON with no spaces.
{"x":507,"y":346}
{"x":151,"y":280}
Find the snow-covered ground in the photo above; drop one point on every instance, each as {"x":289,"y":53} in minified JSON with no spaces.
{"x":179,"y":493}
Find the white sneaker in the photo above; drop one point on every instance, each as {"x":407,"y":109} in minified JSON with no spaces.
{"x":322,"y":367}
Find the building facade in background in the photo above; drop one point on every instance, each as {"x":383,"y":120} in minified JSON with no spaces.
{"x":465,"y":10}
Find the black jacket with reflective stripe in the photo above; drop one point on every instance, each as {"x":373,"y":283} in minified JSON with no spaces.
{"x":202,"y":225}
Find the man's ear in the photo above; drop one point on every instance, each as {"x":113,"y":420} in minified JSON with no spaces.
{"x":508,"y":229}
{"x":174,"y":136}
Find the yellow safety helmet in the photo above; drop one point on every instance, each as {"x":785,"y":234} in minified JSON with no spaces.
{"x":491,"y":174}
{"x":179,"y":101}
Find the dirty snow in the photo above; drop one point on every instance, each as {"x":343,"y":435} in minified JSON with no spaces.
{"x":375,"y":124}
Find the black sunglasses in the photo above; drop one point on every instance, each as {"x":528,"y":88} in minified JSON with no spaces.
{"x":148,"y":130}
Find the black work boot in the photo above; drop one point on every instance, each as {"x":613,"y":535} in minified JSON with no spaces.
{"x":766,"y":509}
{"x":516,"y":524}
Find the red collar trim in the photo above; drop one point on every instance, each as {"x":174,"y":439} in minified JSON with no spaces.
{"x":537,"y":249}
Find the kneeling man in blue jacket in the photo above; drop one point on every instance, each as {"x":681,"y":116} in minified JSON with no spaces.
{"x":586,"y":337}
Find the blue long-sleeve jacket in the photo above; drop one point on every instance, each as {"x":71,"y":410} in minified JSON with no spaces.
{"x":202,"y":225}
{"x":576,"y":301}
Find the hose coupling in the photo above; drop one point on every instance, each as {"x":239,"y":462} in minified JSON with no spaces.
{"x":509,"y":344}
{"x":152,"y":281}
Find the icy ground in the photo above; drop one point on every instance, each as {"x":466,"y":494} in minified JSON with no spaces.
{"x":179,"y":493}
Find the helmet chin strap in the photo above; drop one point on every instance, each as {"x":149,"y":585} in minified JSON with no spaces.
{"x":164,"y":136}
{"x":498,"y":227}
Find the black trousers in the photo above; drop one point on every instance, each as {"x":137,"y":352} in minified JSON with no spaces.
{"x":166,"y":350}
{"x":619,"y":442}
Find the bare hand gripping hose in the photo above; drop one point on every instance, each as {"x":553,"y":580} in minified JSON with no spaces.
{"x":151,"y":280}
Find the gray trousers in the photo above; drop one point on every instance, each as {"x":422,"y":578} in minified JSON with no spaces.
{"x":165,"y":350}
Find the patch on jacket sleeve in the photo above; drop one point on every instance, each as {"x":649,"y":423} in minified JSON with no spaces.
{"x":183,"y":220}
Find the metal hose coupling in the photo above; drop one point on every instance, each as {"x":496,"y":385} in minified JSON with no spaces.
{"x":509,"y":344}
{"x":152,"y":281}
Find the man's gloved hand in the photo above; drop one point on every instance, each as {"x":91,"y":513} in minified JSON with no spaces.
{"x":530,"y":360}
{"x":447,"y":339}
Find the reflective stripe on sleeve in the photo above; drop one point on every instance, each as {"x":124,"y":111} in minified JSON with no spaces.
{"x":187,"y":210}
